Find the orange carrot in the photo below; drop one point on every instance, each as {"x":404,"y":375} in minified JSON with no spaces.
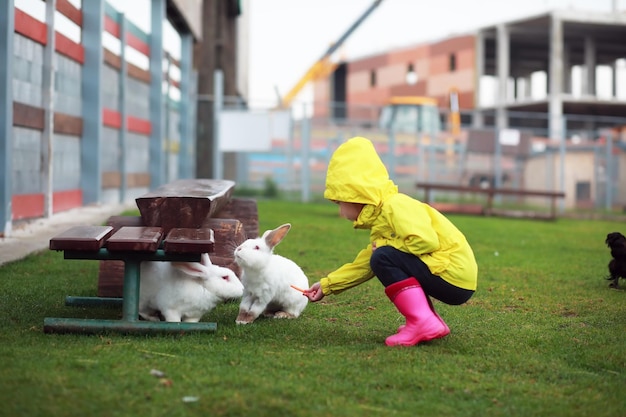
{"x":298,"y":289}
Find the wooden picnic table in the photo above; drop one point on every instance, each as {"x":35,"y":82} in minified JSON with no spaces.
{"x":176,"y":225}
{"x":131,"y":245}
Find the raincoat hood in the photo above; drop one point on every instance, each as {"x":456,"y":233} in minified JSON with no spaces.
{"x":357,"y":175}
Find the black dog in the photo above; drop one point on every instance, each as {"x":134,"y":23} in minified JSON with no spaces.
{"x":617,"y":267}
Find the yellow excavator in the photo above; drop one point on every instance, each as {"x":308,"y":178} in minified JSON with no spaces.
{"x":324,"y":66}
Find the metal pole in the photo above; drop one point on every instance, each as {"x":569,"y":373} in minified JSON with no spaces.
{"x":47,"y":148}
{"x":562,"y":150}
{"x":391,"y":155}
{"x":497,"y":159}
{"x":7,"y":28}
{"x":122,"y":108}
{"x":218,"y":103}
{"x":608,"y":195}
{"x":158,"y":16}
{"x":185,"y":154}
{"x":91,"y":141}
{"x":304,"y":151}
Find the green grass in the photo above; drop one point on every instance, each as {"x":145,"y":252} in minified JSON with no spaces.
{"x":543,"y":336}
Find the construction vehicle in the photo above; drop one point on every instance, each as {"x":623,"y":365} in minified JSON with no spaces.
{"x":418,"y":114}
{"x":411,"y":114}
{"x":324,"y":66}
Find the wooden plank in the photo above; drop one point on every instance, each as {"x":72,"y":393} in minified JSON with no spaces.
{"x":458,"y":208}
{"x":184,"y":203}
{"x":87,"y":238}
{"x":491,"y":191}
{"x":142,"y":239}
{"x":183,"y":240}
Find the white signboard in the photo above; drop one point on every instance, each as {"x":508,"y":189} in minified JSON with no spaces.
{"x":246,"y":131}
{"x":243,"y":131}
{"x":510,"y":137}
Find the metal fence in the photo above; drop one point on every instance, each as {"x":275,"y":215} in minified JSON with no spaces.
{"x":589,"y":165}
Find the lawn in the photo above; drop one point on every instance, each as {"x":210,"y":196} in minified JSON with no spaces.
{"x":543,"y":336}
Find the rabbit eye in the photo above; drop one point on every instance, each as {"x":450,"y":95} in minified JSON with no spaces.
{"x":257,"y":247}
{"x":225,"y":277}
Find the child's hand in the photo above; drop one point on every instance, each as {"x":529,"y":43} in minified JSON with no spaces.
{"x":315,"y":292}
{"x":373,"y":246}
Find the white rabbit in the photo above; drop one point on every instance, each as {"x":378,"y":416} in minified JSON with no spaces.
{"x":267,"y":279}
{"x":184,"y":291}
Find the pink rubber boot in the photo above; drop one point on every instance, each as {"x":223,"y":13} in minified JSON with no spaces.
{"x":422,"y":323}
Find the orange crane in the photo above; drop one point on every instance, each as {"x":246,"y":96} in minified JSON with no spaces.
{"x":324,"y":66}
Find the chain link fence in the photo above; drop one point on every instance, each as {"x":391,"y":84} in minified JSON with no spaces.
{"x":589,"y":165}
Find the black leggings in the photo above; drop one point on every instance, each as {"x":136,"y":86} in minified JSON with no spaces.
{"x":391,"y":265}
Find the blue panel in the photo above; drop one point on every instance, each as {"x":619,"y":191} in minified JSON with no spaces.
{"x":7,"y":28}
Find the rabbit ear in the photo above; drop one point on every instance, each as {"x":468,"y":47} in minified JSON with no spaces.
{"x":205,"y":260}
{"x":274,"y":237}
{"x":191,"y":268}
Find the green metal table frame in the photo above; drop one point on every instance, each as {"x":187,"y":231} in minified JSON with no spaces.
{"x":129,"y":323}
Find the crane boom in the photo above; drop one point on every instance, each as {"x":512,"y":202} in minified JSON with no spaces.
{"x":323,"y":66}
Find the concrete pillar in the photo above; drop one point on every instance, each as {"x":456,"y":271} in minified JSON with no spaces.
{"x":7,"y":28}
{"x":567,"y":70}
{"x":157,"y":105}
{"x":589,"y":80}
{"x":555,"y":79}
{"x":614,"y":69}
{"x":91,"y":166}
{"x":503,"y":69}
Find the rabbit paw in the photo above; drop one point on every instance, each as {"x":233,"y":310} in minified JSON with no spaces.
{"x":245,"y":317}
{"x":283,"y":315}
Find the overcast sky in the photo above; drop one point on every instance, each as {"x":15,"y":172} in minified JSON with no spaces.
{"x":288,"y":36}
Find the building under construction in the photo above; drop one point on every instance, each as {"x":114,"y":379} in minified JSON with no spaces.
{"x":559,"y":78}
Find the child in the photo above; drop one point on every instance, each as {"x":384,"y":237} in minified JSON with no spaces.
{"x":414,"y":250}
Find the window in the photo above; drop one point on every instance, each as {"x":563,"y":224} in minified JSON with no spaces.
{"x":452,"y":62}
{"x":373,"y":78}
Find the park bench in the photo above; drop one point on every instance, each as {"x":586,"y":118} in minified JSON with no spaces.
{"x":487,"y":207}
{"x":177,"y":224}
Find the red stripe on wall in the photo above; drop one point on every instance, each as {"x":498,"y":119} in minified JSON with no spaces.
{"x":65,"y":200}
{"x":137,"y":44}
{"x":70,"y":11}
{"x":111,"y":26}
{"x":138,"y":125}
{"x":26,"y":206}
{"x":111,"y":118}
{"x":30,"y":27}
{"x":69,"y":48}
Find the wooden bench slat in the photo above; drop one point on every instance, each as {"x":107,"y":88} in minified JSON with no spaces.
{"x":87,"y":238}
{"x":185,"y":240}
{"x":130,"y":238}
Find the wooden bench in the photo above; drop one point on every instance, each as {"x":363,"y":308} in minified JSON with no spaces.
{"x":487,"y":208}
{"x":177,"y":223}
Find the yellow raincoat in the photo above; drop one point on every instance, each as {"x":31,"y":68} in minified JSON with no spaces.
{"x":357,"y":175}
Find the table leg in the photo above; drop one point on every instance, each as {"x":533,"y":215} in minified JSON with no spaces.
{"x":130,"y":309}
